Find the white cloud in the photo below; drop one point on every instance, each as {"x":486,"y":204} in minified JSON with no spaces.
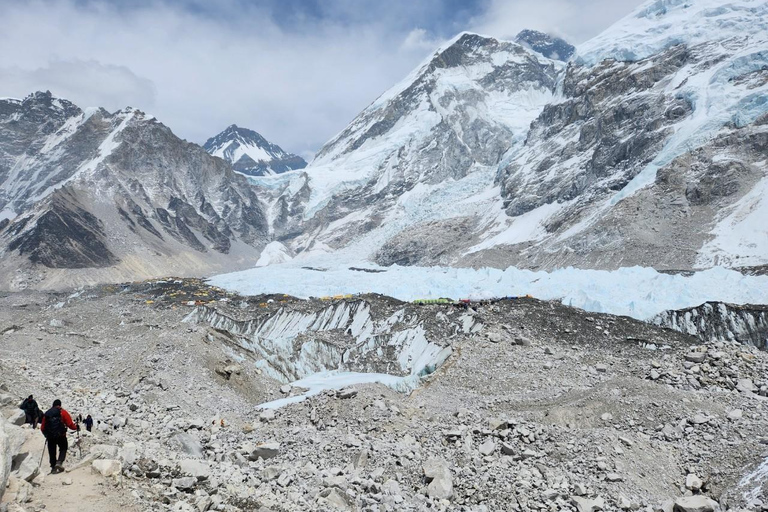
{"x":199,"y":71}
{"x":574,"y":20}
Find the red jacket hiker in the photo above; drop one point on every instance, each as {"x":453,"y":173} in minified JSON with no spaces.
{"x":54,"y":427}
{"x":65,"y":418}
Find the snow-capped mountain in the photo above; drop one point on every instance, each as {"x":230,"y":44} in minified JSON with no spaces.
{"x":429,"y":143}
{"x":89,"y":196}
{"x":647,"y":148}
{"x":549,"y":46}
{"x":251,"y":154}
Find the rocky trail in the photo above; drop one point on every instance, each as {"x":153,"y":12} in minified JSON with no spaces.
{"x":521,"y":405}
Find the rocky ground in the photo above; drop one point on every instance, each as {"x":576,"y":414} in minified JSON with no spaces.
{"x":539,"y":407}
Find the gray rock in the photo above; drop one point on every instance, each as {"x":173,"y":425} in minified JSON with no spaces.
{"x":285,"y":389}
{"x":698,"y":503}
{"x":335,"y":497}
{"x":265,"y":451}
{"x":588,"y":505}
{"x":107,"y":467}
{"x":188,"y":444}
{"x":28,"y":469}
{"x":438,"y":474}
{"x":346,"y":393}
{"x":746,"y":386}
{"x":696,"y":357}
{"x":185,"y":483}
{"x":267,"y":415}
{"x":195,"y":468}
{"x":487,"y":448}
{"x":693,"y":482}
{"x":614,"y":477}
{"x":17,"y":418}
{"x":735,"y":414}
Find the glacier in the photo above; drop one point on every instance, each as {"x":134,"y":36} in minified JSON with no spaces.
{"x":637,"y":292}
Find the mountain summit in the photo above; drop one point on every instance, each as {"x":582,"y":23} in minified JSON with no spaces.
{"x":545,"y":44}
{"x":251,"y":154}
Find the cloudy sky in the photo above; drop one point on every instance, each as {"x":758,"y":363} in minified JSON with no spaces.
{"x":295,"y":70}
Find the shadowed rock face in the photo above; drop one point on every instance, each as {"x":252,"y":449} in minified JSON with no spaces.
{"x":64,"y":235}
{"x":549,"y":46}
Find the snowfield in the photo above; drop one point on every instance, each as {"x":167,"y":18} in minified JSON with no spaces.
{"x":636,"y":292}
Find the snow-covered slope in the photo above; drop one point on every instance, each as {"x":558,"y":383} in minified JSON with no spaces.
{"x":251,"y":154}
{"x":655,"y":154}
{"x":648,"y":148}
{"x":91,"y":196}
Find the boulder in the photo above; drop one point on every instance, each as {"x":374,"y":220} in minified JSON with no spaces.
{"x":693,"y":482}
{"x":336,"y":498}
{"x":6,"y":399}
{"x":17,"y":418}
{"x":107,"y":467}
{"x":696,"y":357}
{"x":188,"y":444}
{"x":267,"y":415}
{"x":587,"y":504}
{"x":698,"y":503}
{"x":438,"y":474}
{"x":346,"y":393}
{"x":746,"y":386}
{"x":26,"y":468}
{"x":265,"y":451}
{"x":194,"y":468}
{"x":487,"y":448}
{"x":185,"y":483}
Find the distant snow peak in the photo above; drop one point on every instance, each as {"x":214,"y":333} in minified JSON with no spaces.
{"x":549,"y":46}
{"x":250,"y":153}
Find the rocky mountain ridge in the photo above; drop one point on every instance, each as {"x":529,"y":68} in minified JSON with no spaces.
{"x":92,"y":195}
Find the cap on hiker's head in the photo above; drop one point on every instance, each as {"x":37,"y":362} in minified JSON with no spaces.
{"x":30,"y":397}
{"x":57,"y":403}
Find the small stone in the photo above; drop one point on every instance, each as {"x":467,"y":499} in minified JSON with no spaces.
{"x":494,"y":337}
{"x":66,"y":481}
{"x":606,"y":416}
{"x":185,"y":483}
{"x":696,"y":357}
{"x":614,"y":477}
{"x":735,"y":415}
{"x":267,"y":415}
{"x":601,"y":368}
{"x":285,"y":389}
{"x":487,"y":448}
{"x":265,"y":451}
{"x":346,"y":393}
{"x":693,"y":482}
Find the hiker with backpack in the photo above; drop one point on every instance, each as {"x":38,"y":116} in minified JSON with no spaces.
{"x":30,"y":408}
{"x":54,"y":427}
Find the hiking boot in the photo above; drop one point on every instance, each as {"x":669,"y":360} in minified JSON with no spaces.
{"x":59,"y":467}
{"x":56,"y":469}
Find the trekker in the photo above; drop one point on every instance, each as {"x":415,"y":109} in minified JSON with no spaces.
{"x":54,"y":428}
{"x":30,"y":408}
{"x":88,"y":423}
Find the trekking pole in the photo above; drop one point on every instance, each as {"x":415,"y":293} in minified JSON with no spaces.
{"x":43,"y":455}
